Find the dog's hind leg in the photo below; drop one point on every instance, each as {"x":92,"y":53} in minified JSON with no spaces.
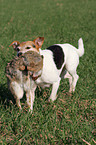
{"x":72,"y":80}
{"x":67,"y":75}
{"x":55,"y":87}
{"x":71,"y":66}
{"x":75,"y":79}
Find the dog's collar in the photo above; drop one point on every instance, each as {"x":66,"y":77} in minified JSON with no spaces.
{"x":35,"y":78}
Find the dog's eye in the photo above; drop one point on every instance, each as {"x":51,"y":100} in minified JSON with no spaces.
{"x":27,"y":47}
{"x":33,"y":45}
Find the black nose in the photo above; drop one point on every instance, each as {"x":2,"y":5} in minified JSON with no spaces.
{"x":19,"y":54}
{"x":18,"y":49}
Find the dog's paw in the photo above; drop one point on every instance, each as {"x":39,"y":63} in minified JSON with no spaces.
{"x":30,"y":110}
{"x":52,"y":99}
{"x":70,"y":90}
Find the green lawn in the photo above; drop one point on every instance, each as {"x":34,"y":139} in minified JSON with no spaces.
{"x":71,"y":119}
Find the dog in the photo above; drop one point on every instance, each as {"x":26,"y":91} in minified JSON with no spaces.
{"x":23,"y":69}
{"x":59,"y":61}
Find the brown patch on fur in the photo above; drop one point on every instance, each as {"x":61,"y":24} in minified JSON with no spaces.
{"x":30,"y":62}
{"x":38,"y":42}
{"x":24,"y":46}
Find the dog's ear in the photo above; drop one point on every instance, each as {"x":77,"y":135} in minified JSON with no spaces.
{"x":15,"y":44}
{"x":39,"y":41}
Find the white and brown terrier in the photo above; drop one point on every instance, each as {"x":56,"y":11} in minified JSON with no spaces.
{"x":59,"y":61}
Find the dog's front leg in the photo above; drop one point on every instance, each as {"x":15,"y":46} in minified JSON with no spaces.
{"x":55,"y":87}
{"x":30,"y":95}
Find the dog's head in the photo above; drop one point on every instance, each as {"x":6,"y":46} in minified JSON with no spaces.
{"x":28,"y":45}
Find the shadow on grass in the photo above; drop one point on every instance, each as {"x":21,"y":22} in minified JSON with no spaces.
{"x":5,"y":95}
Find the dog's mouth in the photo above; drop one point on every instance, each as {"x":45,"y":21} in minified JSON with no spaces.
{"x":19,"y":54}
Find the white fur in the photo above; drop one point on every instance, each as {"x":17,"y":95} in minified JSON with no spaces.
{"x":51,"y":75}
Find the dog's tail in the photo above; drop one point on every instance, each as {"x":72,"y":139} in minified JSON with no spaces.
{"x":80,"y":49}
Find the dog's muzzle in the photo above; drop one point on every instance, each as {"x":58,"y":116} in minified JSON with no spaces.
{"x":19,"y":54}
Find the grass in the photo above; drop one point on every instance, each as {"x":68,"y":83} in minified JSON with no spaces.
{"x":71,"y":119}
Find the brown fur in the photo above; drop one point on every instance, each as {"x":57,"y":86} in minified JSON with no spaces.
{"x":20,"y":72}
{"x":33,"y":45}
